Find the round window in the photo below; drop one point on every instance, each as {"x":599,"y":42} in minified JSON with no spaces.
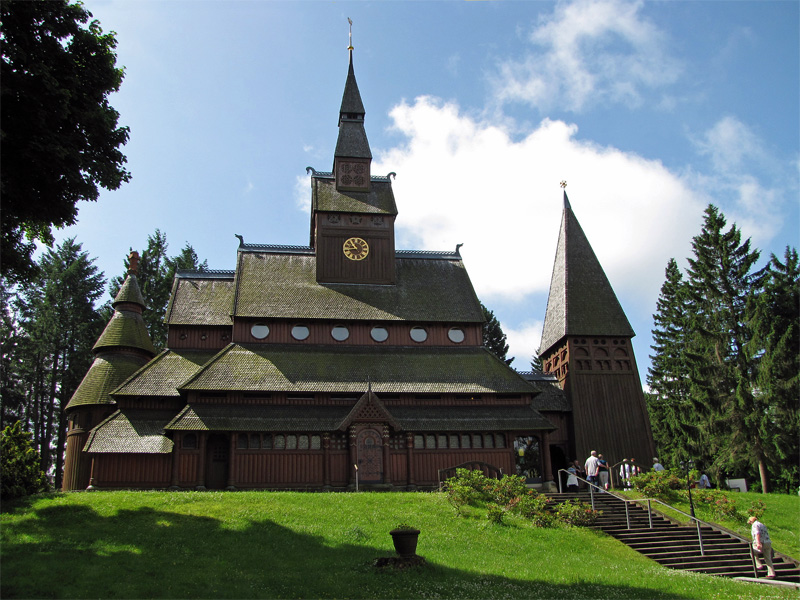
{"x":340,"y":333}
{"x":456,"y":335}
{"x":300,"y":332}
{"x":259,"y":331}
{"x":418,"y":334}
{"x":379,"y":334}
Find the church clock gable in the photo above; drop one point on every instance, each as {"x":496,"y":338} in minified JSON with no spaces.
{"x":352,"y":212}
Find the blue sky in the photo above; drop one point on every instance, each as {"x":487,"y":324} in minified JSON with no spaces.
{"x":649,"y":110}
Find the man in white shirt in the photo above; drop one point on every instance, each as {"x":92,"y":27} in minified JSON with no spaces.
{"x":762,"y":544}
{"x":592,"y":468}
{"x":657,"y":466}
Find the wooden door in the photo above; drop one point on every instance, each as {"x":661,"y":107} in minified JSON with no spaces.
{"x":217,"y":462}
{"x":370,"y":456}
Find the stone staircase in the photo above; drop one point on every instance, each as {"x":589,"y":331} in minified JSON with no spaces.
{"x":677,"y":546}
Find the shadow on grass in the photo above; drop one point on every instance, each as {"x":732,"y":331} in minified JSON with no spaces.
{"x":74,"y":552}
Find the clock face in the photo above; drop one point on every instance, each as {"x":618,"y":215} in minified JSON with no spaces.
{"x":355,"y":248}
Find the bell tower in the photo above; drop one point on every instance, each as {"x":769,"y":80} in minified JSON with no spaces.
{"x":352,"y":211}
{"x":586,"y":343}
{"x":352,"y":159}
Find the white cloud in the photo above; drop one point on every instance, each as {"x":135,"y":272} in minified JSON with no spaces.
{"x":589,"y":52}
{"x":523,"y":342}
{"x":462,"y":180}
{"x":729,"y":143}
{"x":736,"y":152}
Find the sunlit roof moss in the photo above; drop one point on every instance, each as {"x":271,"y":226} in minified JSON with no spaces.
{"x":106,"y":373}
{"x":126,"y":329}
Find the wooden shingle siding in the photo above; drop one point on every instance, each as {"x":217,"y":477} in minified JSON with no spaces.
{"x":188,"y":463}
{"x":199,"y":337}
{"x":610,"y":416}
{"x":135,"y":471}
{"x":280,"y":469}
{"x":428,"y":463}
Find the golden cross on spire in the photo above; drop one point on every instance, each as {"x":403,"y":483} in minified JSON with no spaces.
{"x":349,"y":20}
{"x":563,"y":184}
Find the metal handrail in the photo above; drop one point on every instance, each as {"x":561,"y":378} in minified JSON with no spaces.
{"x":650,"y":518}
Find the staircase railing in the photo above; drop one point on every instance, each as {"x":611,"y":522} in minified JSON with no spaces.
{"x":649,"y":501}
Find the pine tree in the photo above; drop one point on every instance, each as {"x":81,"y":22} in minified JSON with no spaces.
{"x":773,"y":319}
{"x":20,"y":465}
{"x":674,"y":428}
{"x":60,"y":324}
{"x":493,"y":337}
{"x":720,"y":281}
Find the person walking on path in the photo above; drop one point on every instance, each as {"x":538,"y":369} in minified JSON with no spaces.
{"x":592,"y":467}
{"x":762,"y":544}
{"x":602,"y":471}
{"x":657,"y":466}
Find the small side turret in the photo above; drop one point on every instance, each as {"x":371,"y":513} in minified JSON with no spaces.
{"x":121,"y":350}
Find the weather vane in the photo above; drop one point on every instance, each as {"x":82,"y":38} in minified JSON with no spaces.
{"x":349,"y":20}
{"x":564,"y":183}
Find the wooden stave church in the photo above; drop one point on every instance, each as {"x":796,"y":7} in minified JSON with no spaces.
{"x":321,"y":366}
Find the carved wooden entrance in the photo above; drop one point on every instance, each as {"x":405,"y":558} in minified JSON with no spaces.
{"x":370,"y":456}
{"x":217,"y":462}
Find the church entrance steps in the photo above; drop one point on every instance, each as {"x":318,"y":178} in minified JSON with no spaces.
{"x":677,"y":546}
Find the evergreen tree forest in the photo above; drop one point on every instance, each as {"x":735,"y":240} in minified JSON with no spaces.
{"x":725,"y":372}
{"x":48,"y":329}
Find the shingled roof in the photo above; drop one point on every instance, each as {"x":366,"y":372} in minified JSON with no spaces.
{"x":378,"y":201}
{"x":162,"y":375}
{"x":107,"y":371}
{"x":581,"y":300}
{"x":284,"y":285}
{"x":131,"y":431}
{"x":209,"y":417}
{"x":352,"y":141}
{"x":466,"y":418}
{"x":123,"y":347}
{"x":125,"y":329}
{"x":299,"y":368}
{"x":201,"y":298}
{"x":129,"y":291}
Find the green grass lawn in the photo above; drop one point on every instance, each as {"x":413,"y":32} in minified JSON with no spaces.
{"x":305,"y":545}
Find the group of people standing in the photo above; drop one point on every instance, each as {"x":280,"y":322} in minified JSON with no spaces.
{"x":595,"y":470}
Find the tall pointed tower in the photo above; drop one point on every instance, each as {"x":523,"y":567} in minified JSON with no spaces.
{"x":586,"y":343}
{"x":353,"y":212}
{"x":121,"y":350}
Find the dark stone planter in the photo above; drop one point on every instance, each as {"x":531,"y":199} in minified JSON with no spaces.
{"x":405,"y":541}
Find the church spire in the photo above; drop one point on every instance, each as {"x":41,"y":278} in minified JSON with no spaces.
{"x":581,"y":300}
{"x":352,"y":158}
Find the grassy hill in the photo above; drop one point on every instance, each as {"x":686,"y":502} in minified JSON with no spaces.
{"x":305,"y":545}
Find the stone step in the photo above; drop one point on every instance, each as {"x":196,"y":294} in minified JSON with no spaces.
{"x":666,"y":535}
{"x":684,"y":555}
{"x":656,"y":545}
{"x":676,"y":546}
